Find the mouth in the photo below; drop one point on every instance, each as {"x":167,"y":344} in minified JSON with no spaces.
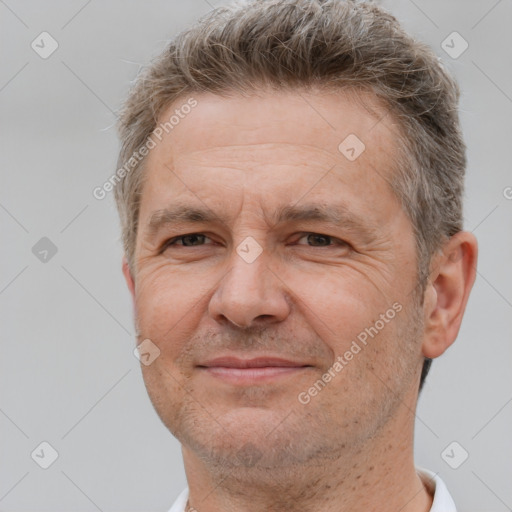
{"x":251,"y":371}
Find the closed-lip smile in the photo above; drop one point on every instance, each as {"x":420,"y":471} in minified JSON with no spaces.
{"x":240,"y":371}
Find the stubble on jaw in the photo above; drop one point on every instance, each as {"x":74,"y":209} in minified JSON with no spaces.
{"x":290,"y":441}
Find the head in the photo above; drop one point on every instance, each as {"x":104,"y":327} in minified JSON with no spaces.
{"x":264,"y":96}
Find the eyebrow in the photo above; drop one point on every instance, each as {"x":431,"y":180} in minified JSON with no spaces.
{"x":335,"y":214}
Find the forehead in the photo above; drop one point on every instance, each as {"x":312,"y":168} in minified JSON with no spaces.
{"x":273,"y":147}
{"x":321,"y":119}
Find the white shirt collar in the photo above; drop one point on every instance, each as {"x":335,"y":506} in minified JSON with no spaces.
{"x":442,"y":502}
{"x":181,"y":502}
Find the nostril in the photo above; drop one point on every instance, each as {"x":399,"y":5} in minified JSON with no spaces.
{"x":263,"y":317}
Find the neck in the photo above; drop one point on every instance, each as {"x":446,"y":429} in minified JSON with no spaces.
{"x":381,"y":477}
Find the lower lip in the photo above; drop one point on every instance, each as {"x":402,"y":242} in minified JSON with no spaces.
{"x":252,"y":375}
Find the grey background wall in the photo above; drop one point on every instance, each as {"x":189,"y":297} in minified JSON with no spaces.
{"x":68,"y":376}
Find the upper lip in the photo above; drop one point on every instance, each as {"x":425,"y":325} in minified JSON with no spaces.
{"x":257,"y":362}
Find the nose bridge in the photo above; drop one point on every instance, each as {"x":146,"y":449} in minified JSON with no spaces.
{"x":248,"y":271}
{"x":249,"y":292}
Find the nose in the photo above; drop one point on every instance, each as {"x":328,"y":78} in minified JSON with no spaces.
{"x":250,"y":294}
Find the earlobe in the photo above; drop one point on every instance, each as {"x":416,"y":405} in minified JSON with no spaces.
{"x":446,"y":296}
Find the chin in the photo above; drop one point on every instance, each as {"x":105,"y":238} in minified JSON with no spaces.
{"x":251,"y":438}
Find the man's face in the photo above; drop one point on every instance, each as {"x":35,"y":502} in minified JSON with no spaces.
{"x":265,"y":279}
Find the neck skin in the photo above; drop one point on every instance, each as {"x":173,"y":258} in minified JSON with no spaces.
{"x":380,"y":477}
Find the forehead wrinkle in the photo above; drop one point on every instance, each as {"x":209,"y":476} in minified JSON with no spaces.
{"x":248,"y":157}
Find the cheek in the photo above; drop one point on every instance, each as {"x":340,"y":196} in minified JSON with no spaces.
{"x":168,"y":308}
{"x":337,"y":304}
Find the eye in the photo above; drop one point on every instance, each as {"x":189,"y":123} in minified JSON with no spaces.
{"x":189,"y":240}
{"x":319,"y":240}
{"x":198,"y":239}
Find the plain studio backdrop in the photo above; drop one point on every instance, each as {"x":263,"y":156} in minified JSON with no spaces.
{"x":68,"y":376}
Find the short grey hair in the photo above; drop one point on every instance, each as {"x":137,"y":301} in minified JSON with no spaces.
{"x":326,"y":44}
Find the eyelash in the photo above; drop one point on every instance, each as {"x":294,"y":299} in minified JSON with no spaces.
{"x":171,"y":241}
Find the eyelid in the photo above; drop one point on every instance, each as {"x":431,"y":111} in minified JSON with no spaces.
{"x":332,"y":238}
{"x":171,"y":241}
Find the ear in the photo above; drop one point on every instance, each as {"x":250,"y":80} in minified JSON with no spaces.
{"x":453,"y":273}
{"x":129,"y":278}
